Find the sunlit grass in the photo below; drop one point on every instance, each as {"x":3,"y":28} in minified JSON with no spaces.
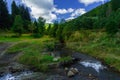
{"x":31,"y":51}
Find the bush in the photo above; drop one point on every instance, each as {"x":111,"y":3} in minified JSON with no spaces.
{"x":111,"y":27}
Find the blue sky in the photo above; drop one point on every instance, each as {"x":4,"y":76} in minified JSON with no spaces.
{"x":58,"y":9}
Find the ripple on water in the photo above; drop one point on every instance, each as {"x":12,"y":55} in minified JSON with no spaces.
{"x":96,"y":65}
{"x":16,"y":77}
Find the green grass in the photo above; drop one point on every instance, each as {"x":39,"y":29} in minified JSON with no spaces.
{"x":34,"y":52}
{"x":7,"y":37}
{"x":66,"y":59}
{"x":98,"y":45}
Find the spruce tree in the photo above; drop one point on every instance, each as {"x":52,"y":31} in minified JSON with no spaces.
{"x":24,"y":12}
{"x":39,"y":28}
{"x":4,"y":15}
{"x":15,"y":11}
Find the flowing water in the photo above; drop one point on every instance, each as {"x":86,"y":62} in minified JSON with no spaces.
{"x":18,"y":76}
{"x":89,"y":69}
{"x":93,"y":69}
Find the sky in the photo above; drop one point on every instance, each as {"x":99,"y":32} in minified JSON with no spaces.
{"x":53,"y":10}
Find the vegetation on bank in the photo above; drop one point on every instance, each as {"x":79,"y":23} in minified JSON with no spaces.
{"x":35,"y":53}
{"x":97,"y":44}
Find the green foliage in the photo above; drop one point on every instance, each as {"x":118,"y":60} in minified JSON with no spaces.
{"x":54,"y":29}
{"x":48,"y":29}
{"x":40,"y":28}
{"x":15,"y":10}
{"x":23,"y":12}
{"x":31,"y":27}
{"x":32,"y":52}
{"x":115,"y":4}
{"x":18,"y":26}
{"x":99,"y":46}
{"x":66,"y":59}
{"x":60,"y":31}
{"x":111,"y":25}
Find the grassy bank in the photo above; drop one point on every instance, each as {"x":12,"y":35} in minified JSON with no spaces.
{"x":97,"y":44}
{"x":34,"y":52}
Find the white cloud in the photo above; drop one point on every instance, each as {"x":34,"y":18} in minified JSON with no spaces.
{"x":70,"y":18}
{"x":42,"y":8}
{"x":88,"y":2}
{"x":63,"y":11}
{"x":70,"y":10}
{"x":78,"y":12}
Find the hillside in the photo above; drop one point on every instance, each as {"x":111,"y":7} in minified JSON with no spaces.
{"x":96,"y":33}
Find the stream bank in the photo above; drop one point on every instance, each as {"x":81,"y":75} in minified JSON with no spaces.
{"x":89,"y":69}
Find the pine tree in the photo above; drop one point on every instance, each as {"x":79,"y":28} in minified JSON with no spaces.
{"x":15,"y":11}
{"x":4,"y":15}
{"x":24,"y":12}
{"x":39,"y":28}
{"x":18,"y":26}
{"x":41,"y":25}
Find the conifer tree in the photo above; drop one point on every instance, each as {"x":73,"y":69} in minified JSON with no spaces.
{"x":4,"y":15}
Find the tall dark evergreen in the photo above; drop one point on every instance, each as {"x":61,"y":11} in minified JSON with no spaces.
{"x":15,"y":10}
{"x":4,"y":15}
{"x":24,"y":12}
{"x":41,"y":25}
{"x":39,"y":28}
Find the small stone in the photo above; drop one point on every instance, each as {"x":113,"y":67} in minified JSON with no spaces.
{"x":74,"y":70}
{"x":90,"y":75}
{"x":70,"y":74}
{"x":66,"y":69}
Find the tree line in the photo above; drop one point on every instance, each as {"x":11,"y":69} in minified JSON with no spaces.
{"x":19,"y":21}
{"x":105,"y":17}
